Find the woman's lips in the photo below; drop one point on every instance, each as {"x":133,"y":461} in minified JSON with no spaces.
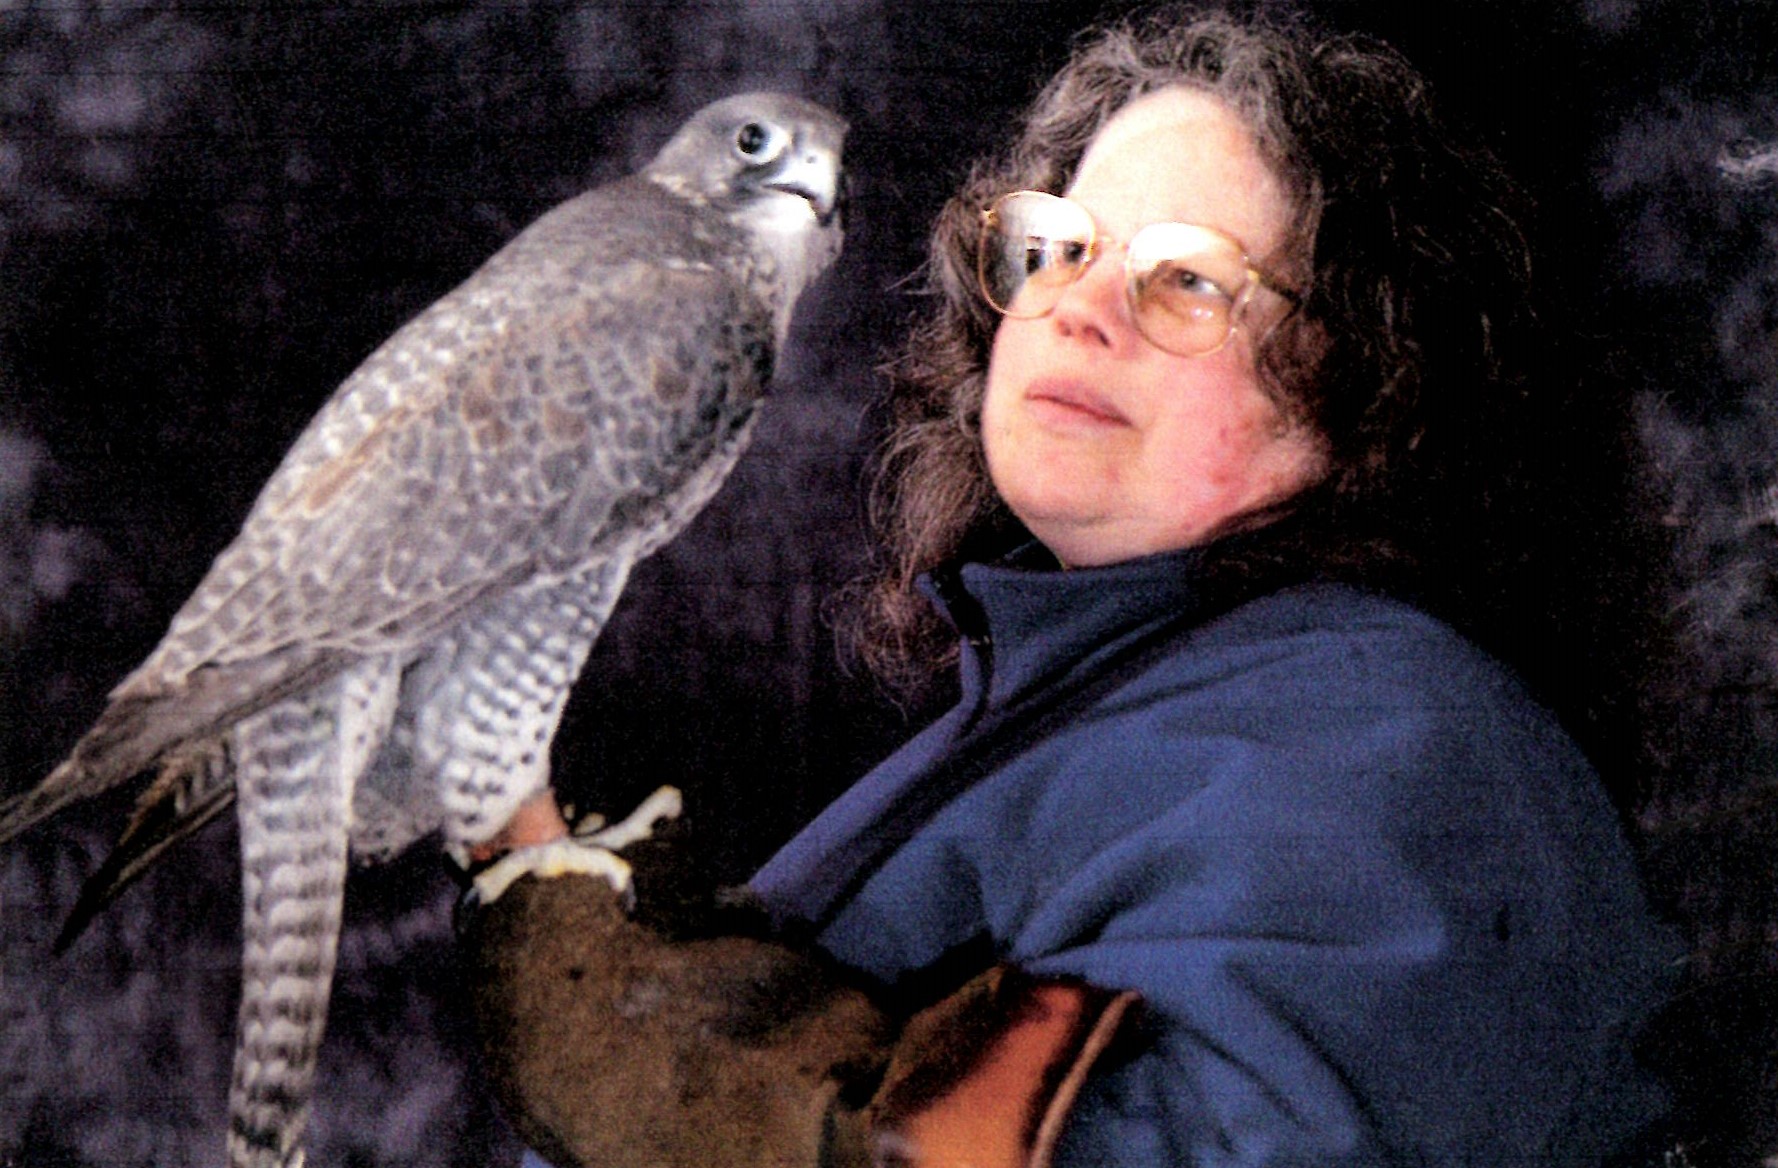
{"x":1074,"y":403}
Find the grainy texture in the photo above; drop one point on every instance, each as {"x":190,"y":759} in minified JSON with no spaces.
{"x":209,"y":213}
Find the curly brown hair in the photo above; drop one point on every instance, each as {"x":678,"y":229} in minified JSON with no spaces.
{"x":1402,"y":354}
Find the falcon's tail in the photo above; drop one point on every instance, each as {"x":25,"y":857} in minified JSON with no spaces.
{"x":193,"y":788}
{"x":295,"y":792}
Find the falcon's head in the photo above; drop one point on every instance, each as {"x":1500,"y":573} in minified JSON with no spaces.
{"x":769,"y":163}
{"x":757,"y":151}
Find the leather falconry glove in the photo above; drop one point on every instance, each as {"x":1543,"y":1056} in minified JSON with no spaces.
{"x":632,"y":1015}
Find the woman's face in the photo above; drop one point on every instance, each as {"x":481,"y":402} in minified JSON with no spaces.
{"x":1105,"y":446}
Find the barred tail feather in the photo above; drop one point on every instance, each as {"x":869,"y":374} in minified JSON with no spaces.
{"x":294,"y":802}
{"x":296,"y":766}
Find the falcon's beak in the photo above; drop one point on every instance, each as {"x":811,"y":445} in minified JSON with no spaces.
{"x":815,"y":175}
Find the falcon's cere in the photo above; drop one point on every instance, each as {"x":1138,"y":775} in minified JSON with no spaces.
{"x":385,"y":649}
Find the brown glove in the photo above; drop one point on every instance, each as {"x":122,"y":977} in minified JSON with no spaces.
{"x":693,"y":1044}
{"x":986,"y":1077}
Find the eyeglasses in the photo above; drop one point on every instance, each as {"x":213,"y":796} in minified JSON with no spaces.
{"x":1187,"y":285}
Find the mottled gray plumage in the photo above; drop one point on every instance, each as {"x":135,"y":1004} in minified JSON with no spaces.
{"x":385,"y":649}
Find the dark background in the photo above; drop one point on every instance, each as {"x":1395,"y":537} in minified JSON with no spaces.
{"x":210,"y":212}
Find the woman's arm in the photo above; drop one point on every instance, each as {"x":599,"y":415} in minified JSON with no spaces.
{"x":613,"y":1039}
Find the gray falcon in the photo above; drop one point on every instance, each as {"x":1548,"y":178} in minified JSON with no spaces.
{"x":385,"y":649}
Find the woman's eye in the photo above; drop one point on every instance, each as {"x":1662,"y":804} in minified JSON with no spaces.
{"x":1182,"y":280}
{"x":1042,"y":253}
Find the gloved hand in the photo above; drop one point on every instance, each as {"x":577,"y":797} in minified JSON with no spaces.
{"x":631,"y":1014}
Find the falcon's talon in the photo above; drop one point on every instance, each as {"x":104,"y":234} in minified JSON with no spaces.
{"x":587,"y":825}
{"x":665,"y":804}
{"x":559,"y":857}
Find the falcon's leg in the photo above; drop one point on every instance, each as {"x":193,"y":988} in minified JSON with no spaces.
{"x":296,"y":764}
{"x":485,"y":733}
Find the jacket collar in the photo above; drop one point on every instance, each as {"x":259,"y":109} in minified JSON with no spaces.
{"x":1026,"y":623}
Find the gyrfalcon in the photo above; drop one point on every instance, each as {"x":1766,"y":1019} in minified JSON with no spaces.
{"x":385,"y":649}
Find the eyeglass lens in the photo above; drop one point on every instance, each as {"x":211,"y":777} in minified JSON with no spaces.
{"x":1184,"y":282}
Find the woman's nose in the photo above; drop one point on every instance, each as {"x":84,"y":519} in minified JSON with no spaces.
{"x":1095,"y":309}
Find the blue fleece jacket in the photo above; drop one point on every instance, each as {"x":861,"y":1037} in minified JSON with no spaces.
{"x":1376,"y":901}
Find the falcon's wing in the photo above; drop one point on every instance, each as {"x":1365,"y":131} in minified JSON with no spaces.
{"x":492,"y":439}
{"x":507,"y":432}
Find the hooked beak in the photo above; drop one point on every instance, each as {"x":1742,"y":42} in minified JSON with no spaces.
{"x":815,"y":175}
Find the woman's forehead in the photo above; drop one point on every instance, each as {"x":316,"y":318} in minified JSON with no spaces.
{"x":1179,"y":153}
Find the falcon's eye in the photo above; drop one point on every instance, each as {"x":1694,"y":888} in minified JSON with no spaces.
{"x":759,"y":141}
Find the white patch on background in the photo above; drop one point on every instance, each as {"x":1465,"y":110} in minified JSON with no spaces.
{"x":38,"y":564}
{"x":1752,"y":164}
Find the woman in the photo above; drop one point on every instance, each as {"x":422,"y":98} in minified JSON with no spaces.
{"x":1221,"y":346}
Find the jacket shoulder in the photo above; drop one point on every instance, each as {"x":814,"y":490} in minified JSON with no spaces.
{"x":1337,"y":642}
